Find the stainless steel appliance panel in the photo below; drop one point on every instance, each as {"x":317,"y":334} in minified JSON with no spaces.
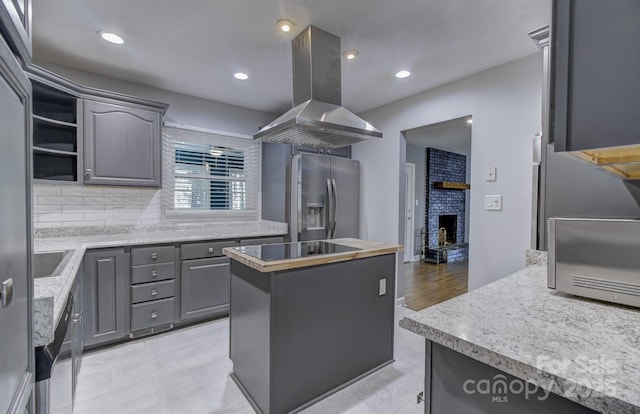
{"x":596,"y":258}
{"x":313,"y":196}
{"x":345,"y":179}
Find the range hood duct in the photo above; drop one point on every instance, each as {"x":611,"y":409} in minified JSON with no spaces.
{"x":317,"y":118}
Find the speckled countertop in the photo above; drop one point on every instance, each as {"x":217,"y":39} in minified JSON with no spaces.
{"x":50,"y":293}
{"x":583,"y":350}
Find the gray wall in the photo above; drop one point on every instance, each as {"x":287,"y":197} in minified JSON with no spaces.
{"x":575,"y":188}
{"x":183,"y":109}
{"x":417,"y":155}
{"x":505,"y":102}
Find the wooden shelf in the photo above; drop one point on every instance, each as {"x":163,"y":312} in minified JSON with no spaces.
{"x":621,"y":161}
{"x":448,"y":185}
{"x":54,"y":121}
{"x":55,"y":152}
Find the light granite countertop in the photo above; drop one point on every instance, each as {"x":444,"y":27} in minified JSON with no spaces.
{"x":583,"y":350}
{"x":50,"y":293}
{"x":365,"y":249}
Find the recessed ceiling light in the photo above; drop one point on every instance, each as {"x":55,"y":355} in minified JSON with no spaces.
{"x":403,"y":74}
{"x":241,"y":76}
{"x":285,"y":25}
{"x":469,"y":121}
{"x":111,"y":37}
{"x":350,"y":54}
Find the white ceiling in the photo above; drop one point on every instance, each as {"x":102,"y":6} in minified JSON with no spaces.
{"x":194,"y":46}
{"x":453,"y":135}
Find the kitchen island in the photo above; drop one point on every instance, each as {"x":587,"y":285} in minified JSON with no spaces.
{"x":514,"y":346}
{"x":309,"y":318}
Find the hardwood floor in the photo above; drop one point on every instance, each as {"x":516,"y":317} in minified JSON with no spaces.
{"x":428,"y":283}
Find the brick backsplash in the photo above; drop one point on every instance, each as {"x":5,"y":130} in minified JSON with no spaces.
{"x":56,"y":205}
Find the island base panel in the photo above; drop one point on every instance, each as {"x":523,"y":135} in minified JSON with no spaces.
{"x":327,"y":327}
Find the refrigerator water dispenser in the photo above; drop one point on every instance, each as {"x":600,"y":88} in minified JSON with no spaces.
{"x":315,"y":216}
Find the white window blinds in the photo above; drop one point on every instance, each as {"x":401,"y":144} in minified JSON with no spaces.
{"x":210,"y":174}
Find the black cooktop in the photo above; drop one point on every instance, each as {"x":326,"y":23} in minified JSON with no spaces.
{"x":282,"y":251}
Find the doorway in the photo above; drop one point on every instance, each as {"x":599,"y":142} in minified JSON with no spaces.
{"x":437,"y":211}
{"x":410,"y":203}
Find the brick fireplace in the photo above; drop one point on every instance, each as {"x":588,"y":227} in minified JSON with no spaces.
{"x":446,"y":207}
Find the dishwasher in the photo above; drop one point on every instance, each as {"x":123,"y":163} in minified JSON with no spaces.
{"x":54,"y":371}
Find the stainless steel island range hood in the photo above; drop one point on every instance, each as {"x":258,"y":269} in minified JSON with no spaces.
{"x":317,"y":118}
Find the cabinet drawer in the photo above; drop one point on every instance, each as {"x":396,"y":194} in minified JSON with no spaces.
{"x":262,"y":240}
{"x":147,"y":255}
{"x":152,"y":272}
{"x":157,"y":312}
{"x":204,"y":250}
{"x":152,"y":291}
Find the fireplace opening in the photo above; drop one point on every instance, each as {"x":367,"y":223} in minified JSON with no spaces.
{"x":450,"y":224}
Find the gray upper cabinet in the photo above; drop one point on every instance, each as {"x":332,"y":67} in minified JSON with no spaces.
{"x":15,"y":20}
{"x":105,"y":296}
{"x":595,"y":86}
{"x":121,"y":145}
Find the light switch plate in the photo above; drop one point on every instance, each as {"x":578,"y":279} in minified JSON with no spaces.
{"x":493,"y":202}
{"x":382,"y":290}
{"x":491,"y":174}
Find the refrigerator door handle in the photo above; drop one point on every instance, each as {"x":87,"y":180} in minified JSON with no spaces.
{"x":330,"y":208}
{"x":335,"y":208}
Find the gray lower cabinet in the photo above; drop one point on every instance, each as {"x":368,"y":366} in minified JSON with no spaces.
{"x":105,"y":296}
{"x":261,"y":240}
{"x":16,"y":283}
{"x":594,"y":66}
{"x":121,"y":145}
{"x":204,"y":287}
{"x":153,"y":289}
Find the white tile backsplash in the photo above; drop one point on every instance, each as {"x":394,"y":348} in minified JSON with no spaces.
{"x":56,"y":205}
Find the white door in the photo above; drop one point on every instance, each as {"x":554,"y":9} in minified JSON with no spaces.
{"x":409,"y":205}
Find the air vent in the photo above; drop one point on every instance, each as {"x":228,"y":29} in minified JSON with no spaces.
{"x":606,"y":285}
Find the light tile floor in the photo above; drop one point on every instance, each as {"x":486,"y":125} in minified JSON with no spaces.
{"x":187,"y":371}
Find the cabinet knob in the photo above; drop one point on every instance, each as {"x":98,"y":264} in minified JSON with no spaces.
{"x":154,"y":256}
{"x":154,"y":315}
{"x":154,"y":273}
{"x":154,"y":292}
{"x":210,"y":250}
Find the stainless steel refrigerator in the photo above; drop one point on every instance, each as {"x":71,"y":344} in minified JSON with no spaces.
{"x":324,"y":199}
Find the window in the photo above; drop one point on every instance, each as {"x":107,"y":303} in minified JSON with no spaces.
{"x":210,"y":174}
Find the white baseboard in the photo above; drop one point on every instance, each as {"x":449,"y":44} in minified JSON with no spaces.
{"x":400,"y":301}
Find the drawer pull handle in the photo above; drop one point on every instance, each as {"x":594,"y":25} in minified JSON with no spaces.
{"x":154,"y":315}
{"x":154,"y":273}
{"x":154,"y":256}
{"x":154,"y":292}
{"x":210,"y":250}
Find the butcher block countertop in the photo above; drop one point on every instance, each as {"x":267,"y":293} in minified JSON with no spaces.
{"x":365,"y":249}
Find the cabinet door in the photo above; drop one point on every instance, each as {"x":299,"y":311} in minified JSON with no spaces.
{"x":16,"y":349}
{"x":105,"y":298}
{"x":15,"y":19}
{"x":205,"y":287}
{"x":121,"y":145}
{"x":595,"y":91}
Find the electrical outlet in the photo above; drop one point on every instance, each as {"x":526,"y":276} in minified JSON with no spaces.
{"x":382,"y":289}
{"x":491,"y":174}
{"x":493,"y":202}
